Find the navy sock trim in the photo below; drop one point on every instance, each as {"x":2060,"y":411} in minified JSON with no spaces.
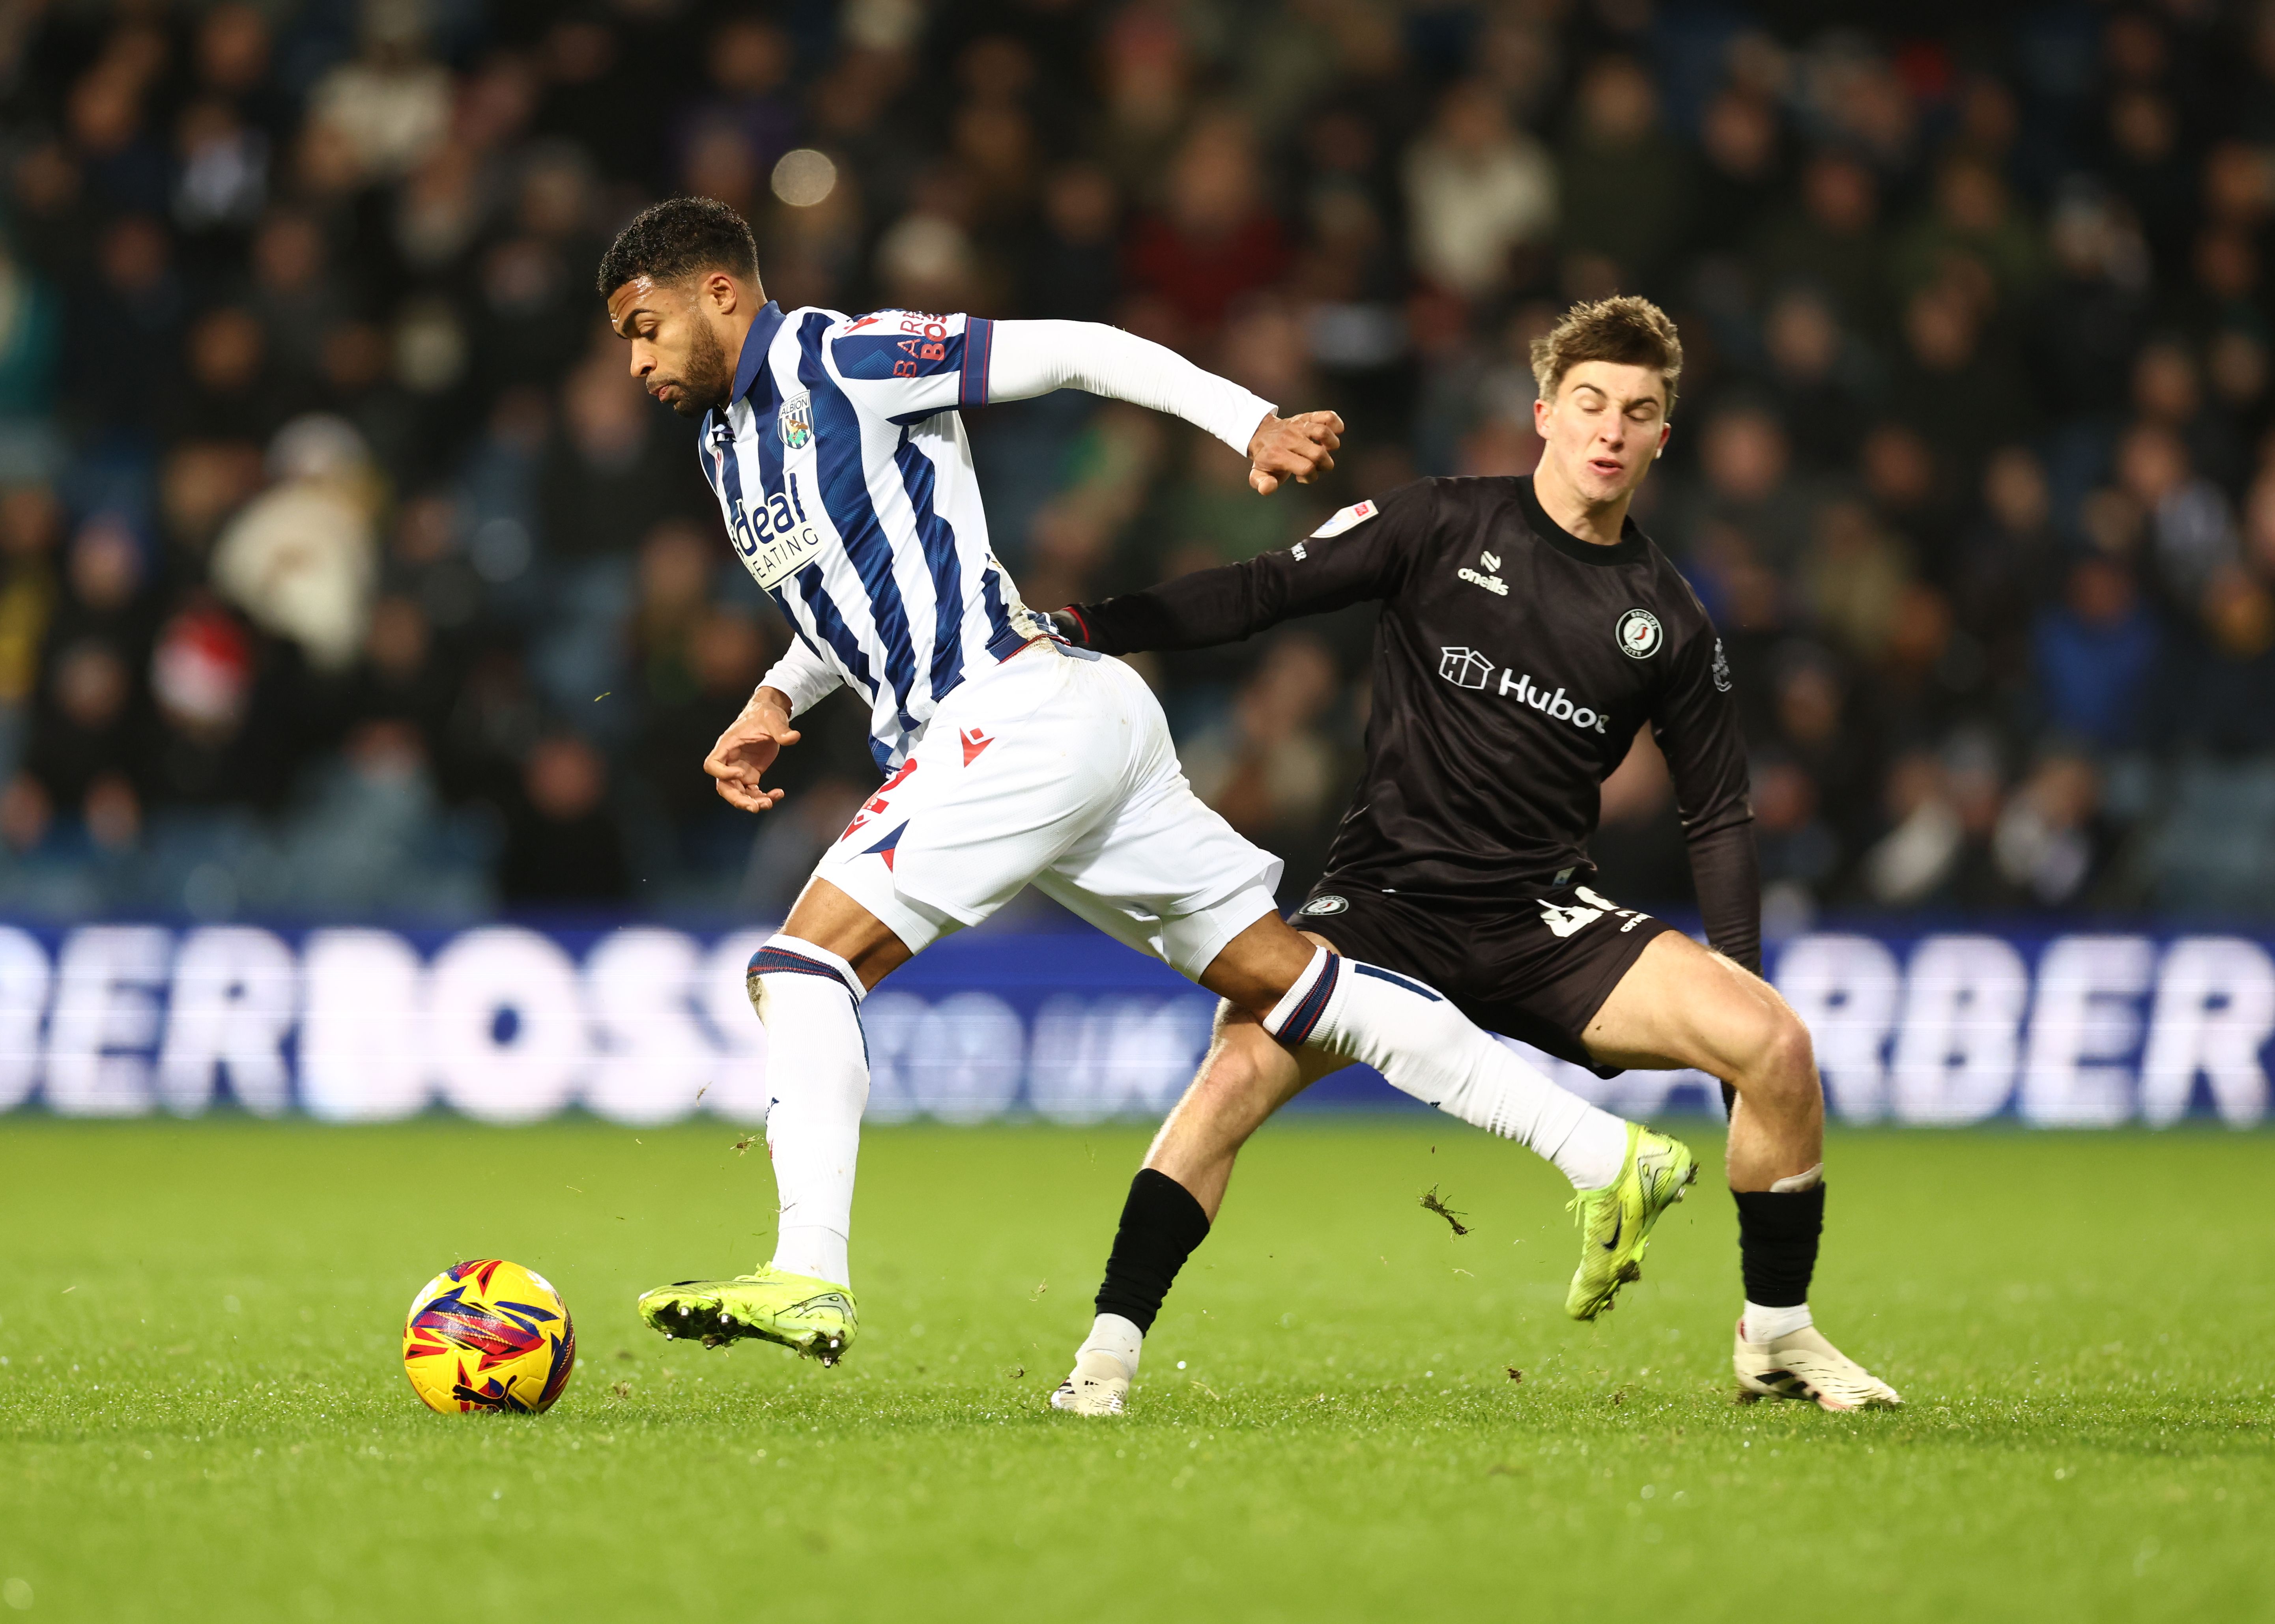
{"x":781,"y":961}
{"x":1297,"y":1030}
{"x":1395,"y":979}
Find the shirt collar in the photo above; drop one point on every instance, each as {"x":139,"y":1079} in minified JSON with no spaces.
{"x":756,"y":343}
{"x":1631,"y":547}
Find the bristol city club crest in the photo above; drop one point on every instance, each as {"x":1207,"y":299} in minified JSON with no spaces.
{"x":1638,"y":634}
{"x":797,"y":421}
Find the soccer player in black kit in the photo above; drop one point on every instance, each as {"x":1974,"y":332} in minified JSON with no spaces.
{"x":1528,"y":630}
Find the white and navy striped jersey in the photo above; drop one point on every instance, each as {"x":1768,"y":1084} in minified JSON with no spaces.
{"x":842,"y":469}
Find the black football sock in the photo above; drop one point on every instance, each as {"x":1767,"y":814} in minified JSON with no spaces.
{"x":1162,"y":1223}
{"x":1778,"y":1232}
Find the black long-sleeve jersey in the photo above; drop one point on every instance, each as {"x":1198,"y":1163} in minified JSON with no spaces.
{"x":1513,"y":665}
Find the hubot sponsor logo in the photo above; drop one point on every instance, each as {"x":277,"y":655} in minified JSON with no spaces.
{"x":1464,"y":668}
{"x":1639,"y":635}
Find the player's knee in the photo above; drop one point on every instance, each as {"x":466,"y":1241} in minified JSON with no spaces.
{"x":1784,"y":1066}
{"x":1243,"y":1059}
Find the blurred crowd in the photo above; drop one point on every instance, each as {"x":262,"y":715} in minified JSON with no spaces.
{"x":343,"y":569}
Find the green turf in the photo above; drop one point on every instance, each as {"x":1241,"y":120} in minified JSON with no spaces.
{"x":202,"y":1414}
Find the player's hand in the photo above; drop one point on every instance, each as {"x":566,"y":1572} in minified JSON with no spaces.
{"x":1298,"y":448}
{"x":747,"y":749}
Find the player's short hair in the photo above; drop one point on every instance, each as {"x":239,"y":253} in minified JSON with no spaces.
{"x":1626,"y":329}
{"x":678,"y":238}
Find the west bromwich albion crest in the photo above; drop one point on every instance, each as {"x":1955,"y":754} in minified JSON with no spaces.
{"x":797,"y":421}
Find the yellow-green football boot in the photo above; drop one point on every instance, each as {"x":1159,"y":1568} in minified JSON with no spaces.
{"x":1615,"y":1222}
{"x":807,"y":1316}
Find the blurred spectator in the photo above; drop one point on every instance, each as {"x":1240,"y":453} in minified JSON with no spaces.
{"x":2046,"y":842}
{"x":1267,"y":766}
{"x":1974,"y":464}
{"x":1075,"y":275}
{"x":1830,"y":236}
{"x":562,"y":844}
{"x":1625,"y":184}
{"x":1214,"y":239}
{"x":2191,"y":528}
{"x":2095,"y":655}
{"x":1476,"y":188}
{"x":30,"y":523}
{"x":301,"y":558}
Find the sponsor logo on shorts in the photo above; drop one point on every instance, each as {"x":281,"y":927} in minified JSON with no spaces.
{"x":1564,"y":920}
{"x":1722,"y":668}
{"x":1639,"y":635}
{"x":1324,"y":905}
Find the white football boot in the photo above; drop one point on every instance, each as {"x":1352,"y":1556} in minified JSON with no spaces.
{"x":1802,"y":1364}
{"x":1099,"y":1386}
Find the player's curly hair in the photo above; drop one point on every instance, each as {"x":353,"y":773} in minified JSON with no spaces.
{"x":1626,"y":329}
{"x":678,"y":238}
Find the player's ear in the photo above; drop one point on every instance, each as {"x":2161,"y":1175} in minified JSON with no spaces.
{"x":720,"y":292}
{"x":1541,"y":412}
{"x":1666,"y":430}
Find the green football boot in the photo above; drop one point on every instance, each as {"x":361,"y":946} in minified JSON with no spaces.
{"x":1615,"y":1222}
{"x":807,"y":1316}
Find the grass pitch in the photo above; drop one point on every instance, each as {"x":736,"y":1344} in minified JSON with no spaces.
{"x":202,"y":1414}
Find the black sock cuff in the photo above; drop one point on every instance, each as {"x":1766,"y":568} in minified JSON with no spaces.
{"x":1778,"y":1232}
{"x":1782,"y":1212}
{"x":1171,"y":1202}
{"x":1162,"y":1224}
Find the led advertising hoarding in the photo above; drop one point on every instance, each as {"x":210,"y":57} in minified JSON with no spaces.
{"x":506,"y":1024}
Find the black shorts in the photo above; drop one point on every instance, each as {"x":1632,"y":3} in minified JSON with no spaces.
{"x":1534,"y":971}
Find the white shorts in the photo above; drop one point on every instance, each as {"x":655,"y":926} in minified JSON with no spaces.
{"x":1055,"y":769}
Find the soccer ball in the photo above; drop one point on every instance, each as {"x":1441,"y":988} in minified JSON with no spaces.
{"x":488,"y":1334}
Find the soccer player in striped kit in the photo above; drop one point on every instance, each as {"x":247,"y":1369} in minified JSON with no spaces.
{"x":841,"y":466}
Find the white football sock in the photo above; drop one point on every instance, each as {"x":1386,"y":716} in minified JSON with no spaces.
{"x":818,"y":1077}
{"x":1767,"y":1325}
{"x":1111,"y":1333}
{"x":1429,"y":1049}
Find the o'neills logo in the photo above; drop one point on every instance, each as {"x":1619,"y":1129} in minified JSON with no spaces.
{"x":1555,"y":706}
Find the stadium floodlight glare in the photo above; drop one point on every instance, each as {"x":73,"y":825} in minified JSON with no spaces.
{"x":804,"y":177}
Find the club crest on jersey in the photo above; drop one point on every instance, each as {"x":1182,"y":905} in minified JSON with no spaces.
{"x":796,"y":421}
{"x":1324,"y":905}
{"x":1639,"y":635}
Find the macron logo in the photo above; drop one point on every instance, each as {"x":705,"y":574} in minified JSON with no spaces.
{"x":1464,"y":668}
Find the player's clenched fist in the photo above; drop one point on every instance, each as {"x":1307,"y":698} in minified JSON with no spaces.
{"x":1298,"y":448}
{"x":748,"y":748}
